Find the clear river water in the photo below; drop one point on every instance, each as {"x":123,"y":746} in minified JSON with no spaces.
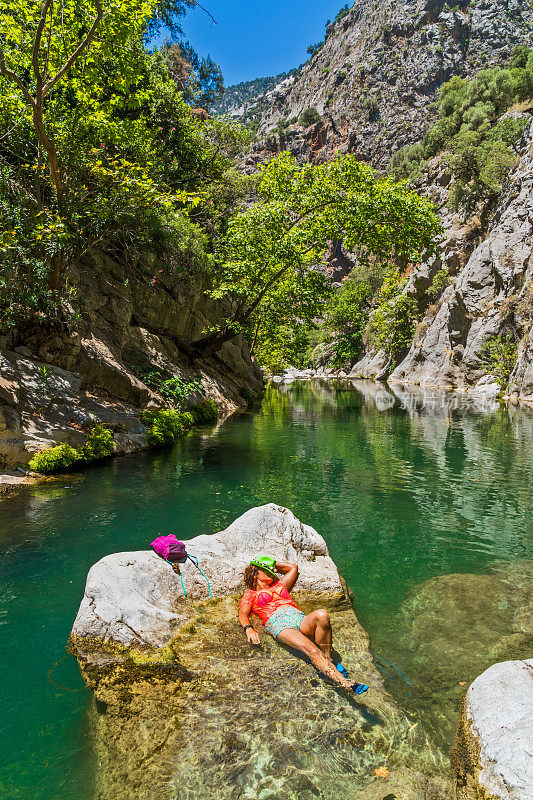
{"x":405,"y":488}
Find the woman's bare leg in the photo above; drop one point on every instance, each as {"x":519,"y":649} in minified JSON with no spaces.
{"x":318,"y":625}
{"x":300,"y":642}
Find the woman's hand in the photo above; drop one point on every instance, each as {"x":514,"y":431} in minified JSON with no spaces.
{"x":252,"y":636}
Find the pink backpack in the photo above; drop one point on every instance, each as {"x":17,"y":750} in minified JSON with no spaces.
{"x":172,"y":550}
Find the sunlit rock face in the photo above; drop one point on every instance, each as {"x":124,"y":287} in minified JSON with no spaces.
{"x":197,"y":713}
{"x":493,"y":752}
{"x":379,"y":71}
{"x":493,"y":291}
{"x":56,"y":387}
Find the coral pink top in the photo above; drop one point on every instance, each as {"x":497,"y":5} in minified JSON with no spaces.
{"x":265,"y":601}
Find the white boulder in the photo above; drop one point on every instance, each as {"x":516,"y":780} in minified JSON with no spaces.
{"x":136,"y":598}
{"x":499,"y":717}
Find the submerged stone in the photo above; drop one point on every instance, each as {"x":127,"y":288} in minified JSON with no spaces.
{"x":456,"y":626}
{"x":197,"y":713}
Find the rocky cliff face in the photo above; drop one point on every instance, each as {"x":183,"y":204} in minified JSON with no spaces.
{"x":376,"y":77}
{"x":491,"y":292}
{"x":52,"y":387}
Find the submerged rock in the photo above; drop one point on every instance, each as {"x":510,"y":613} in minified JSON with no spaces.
{"x":494,"y":751}
{"x":456,"y":626}
{"x":186,"y":708}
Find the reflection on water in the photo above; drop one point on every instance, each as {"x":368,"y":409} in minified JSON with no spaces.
{"x":405,"y":486}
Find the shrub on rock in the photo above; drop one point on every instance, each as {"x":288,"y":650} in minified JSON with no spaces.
{"x":309,"y":117}
{"x":99,"y":444}
{"x":205,"y":413}
{"x":166,"y":425}
{"x":54,"y":459}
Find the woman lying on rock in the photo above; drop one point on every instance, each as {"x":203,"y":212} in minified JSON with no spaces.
{"x":267,"y":596}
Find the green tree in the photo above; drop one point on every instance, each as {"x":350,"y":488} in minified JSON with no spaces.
{"x":300,"y":210}
{"x":346,"y":319}
{"x":43,"y":42}
{"x":392,"y":322}
{"x":200,"y":80}
{"x":309,"y":117}
{"x":98,"y":149}
{"x":280,"y":329}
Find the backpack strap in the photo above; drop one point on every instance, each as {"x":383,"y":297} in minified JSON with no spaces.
{"x":176,"y":568}
{"x":194,"y":560}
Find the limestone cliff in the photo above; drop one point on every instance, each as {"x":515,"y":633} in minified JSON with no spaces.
{"x":491,"y":291}
{"x":123,"y":324}
{"x":376,"y":77}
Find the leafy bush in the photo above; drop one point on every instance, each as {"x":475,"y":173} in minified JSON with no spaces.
{"x":346,"y":320}
{"x":439,"y":283}
{"x":392,"y":322}
{"x":309,"y":117}
{"x":315,"y":48}
{"x":166,"y":425}
{"x":246,"y":393}
{"x":98,"y":444}
{"x":498,"y":355}
{"x":481,"y":146}
{"x":171,"y":387}
{"x":408,"y":163}
{"x":205,"y":413}
{"x":54,"y":459}
{"x":342,"y":13}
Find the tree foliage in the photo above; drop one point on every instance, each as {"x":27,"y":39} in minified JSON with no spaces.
{"x":481,"y":147}
{"x":300,"y":210}
{"x":392,"y":322}
{"x":98,"y":148}
{"x":198,"y":79}
{"x":346,"y":319}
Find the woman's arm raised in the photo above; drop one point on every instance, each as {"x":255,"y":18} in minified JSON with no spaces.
{"x":290,"y":573}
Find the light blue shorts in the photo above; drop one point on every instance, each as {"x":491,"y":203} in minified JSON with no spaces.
{"x":284,"y":618}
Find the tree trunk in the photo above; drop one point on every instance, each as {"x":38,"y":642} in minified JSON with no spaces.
{"x":213,"y":342}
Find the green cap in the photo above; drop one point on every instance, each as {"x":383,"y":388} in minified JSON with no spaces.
{"x":265,"y":563}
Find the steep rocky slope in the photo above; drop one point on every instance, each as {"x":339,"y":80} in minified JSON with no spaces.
{"x":52,"y":387}
{"x":241,"y":98}
{"x":379,"y":71}
{"x":491,"y":292}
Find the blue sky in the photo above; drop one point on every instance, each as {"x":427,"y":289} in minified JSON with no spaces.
{"x":254,"y":39}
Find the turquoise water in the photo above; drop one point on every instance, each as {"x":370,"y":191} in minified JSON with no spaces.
{"x":402,"y":493}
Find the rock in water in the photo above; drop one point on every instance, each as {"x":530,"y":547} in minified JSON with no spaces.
{"x":136,"y":598}
{"x":187,"y":709}
{"x":455,"y":626}
{"x":494,"y":752}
